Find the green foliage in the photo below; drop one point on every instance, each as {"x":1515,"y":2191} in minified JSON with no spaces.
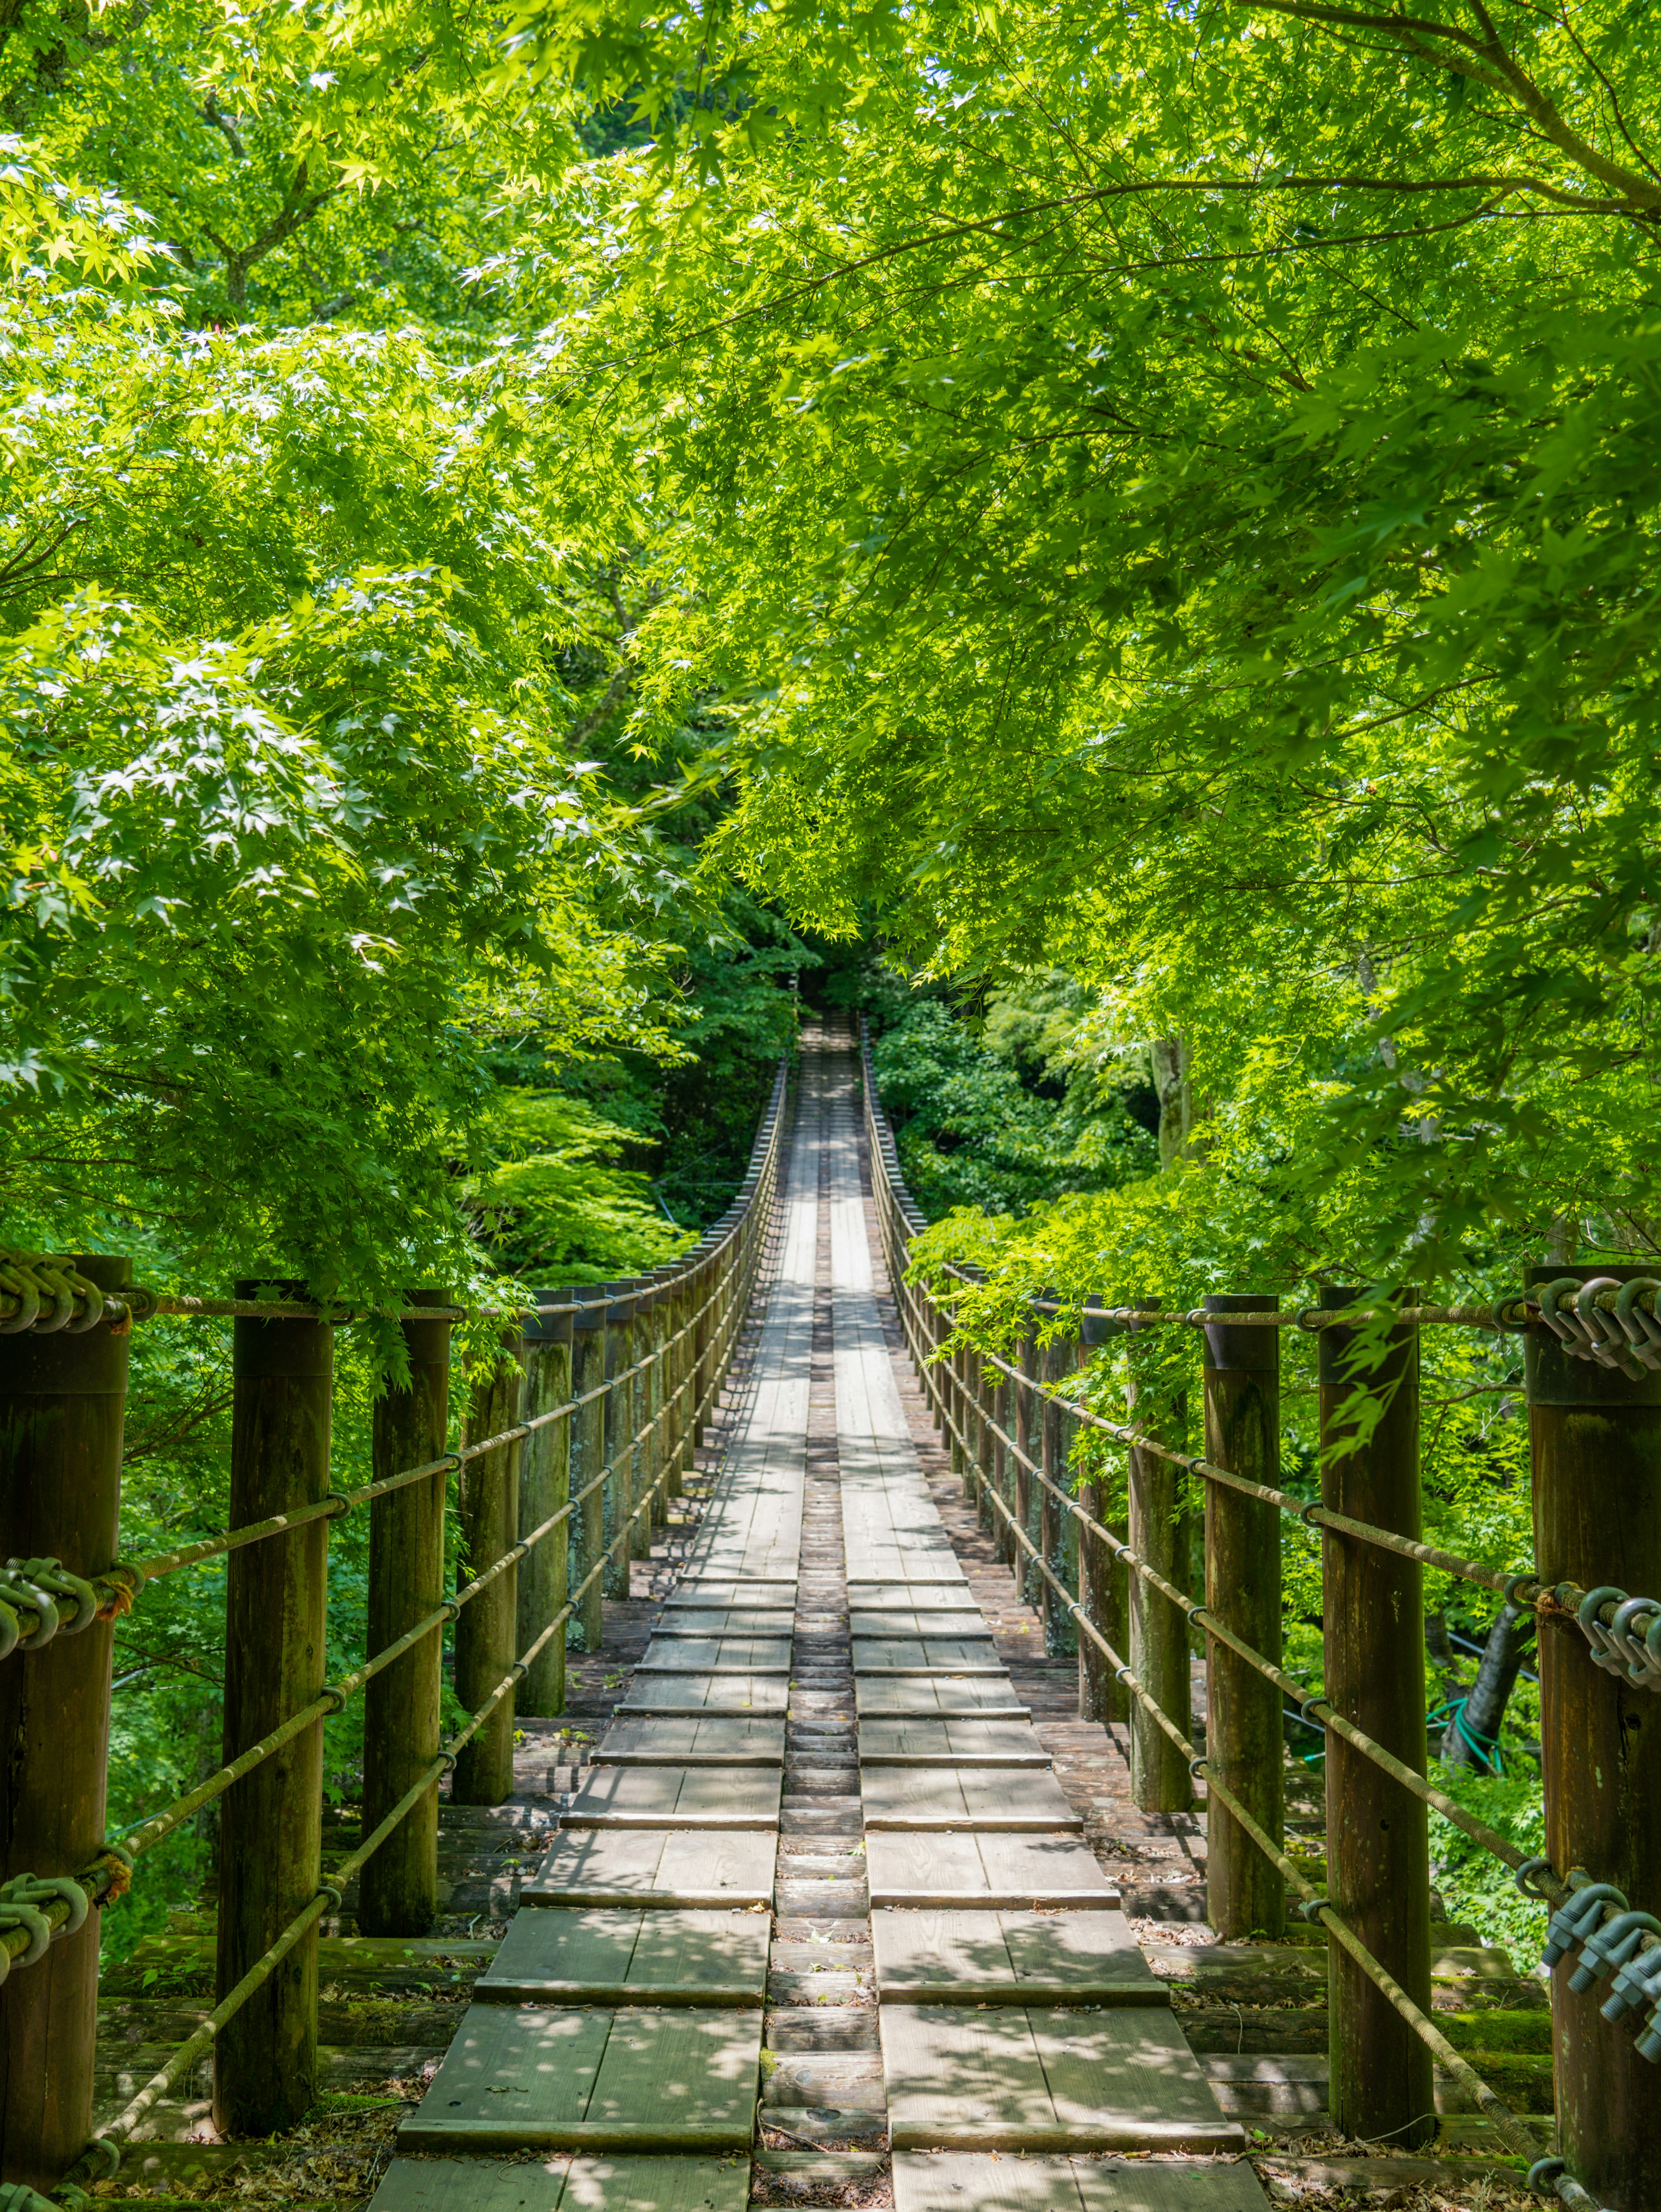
{"x":971,"y":1132}
{"x":552,"y":1203}
{"x":1475,"y":1886}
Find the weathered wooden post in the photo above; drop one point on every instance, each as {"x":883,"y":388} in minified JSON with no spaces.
{"x":398,"y":1888}
{"x":270,"y":1834}
{"x":1102,"y":1593}
{"x":1159,"y":1779}
{"x":1245,"y":1893}
{"x":1596,"y":1441}
{"x":1378,"y":1842}
{"x":680,"y":1303}
{"x":545,"y":1486}
{"x":644,"y":1444}
{"x":705,"y":1334}
{"x":62,"y":1397}
{"x":485,"y":1629}
{"x":1052,"y":1457}
{"x":960,"y":1379}
{"x":619,"y":1493}
{"x":587,"y":1457}
{"x":659,"y":1411}
{"x":1004,"y":1545}
{"x":1026,"y":1431}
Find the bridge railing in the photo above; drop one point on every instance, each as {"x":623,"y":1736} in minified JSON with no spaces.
{"x":570,"y":1449}
{"x":1591,"y":1346}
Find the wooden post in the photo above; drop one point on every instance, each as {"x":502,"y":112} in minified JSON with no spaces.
{"x":1026,"y":1433}
{"x":545,"y":1485}
{"x":587,"y":1457}
{"x":485,"y":1629}
{"x":997,"y":1394}
{"x":1052,"y":1459}
{"x":950,"y":1373}
{"x":398,"y":1890}
{"x":680,"y":1302}
{"x":705,"y":1333}
{"x":62,"y":1399}
{"x":654,"y":1411}
{"x":616,"y":1581}
{"x":1060,"y":1633}
{"x":1159,"y":1779}
{"x":270,"y":1834}
{"x":1378,"y":1842}
{"x":1596,"y":1439}
{"x":1101,"y":1578}
{"x":1246,"y":1895}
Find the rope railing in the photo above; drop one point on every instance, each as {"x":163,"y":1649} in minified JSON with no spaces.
{"x":1012,"y":1422}
{"x":668,"y":1341}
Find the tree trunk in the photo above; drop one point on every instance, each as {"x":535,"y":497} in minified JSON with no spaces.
{"x":1485,"y":1707}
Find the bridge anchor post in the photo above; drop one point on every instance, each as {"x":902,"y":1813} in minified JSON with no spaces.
{"x":62,"y":1401}
{"x":545,"y":1486}
{"x":1595,"y":1438}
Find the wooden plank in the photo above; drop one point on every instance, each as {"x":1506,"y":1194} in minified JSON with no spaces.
{"x":555,"y":2079}
{"x":440,"y":2185}
{"x":914,"y":1654}
{"x":915,"y":1697}
{"x":995,"y":1872}
{"x":928,"y":1797}
{"x":1009,"y":2078}
{"x":656,"y":2184}
{"x":905,"y":1618}
{"x":727,"y":1620}
{"x":969,"y":2181}
{"x":677,"y":1796}
{"x":623,"y":1956}
{"x":718,"y":1654}
{"x":697,"y":1694}
{"x":1109,"y":2071}
{"x":654,"y":1867}
{"x":727,"y":1741}
{"x":695,"y":1589}
{"x":937,"y":1742}
{"x":679,"y":2071}
{"x":968,"y":1957}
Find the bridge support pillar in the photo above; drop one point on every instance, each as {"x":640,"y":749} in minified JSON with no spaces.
{"x":62,"y":1401}
{"x":484,"y":1628}
{"x":545,"y":1486}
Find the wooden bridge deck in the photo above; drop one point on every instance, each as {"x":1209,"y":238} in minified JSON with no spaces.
{"x":823,"y":1748}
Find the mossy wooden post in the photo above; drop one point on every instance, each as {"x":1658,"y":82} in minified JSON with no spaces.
{"x":655,"y":1412}
{"x":398,"y":1890}
{"x":1026,"y":1436}
{"x":680,"y":1304}
{"x":996,"y":1387}
{"x":62,"y":1399}
{"x":948,"y":1374}
{"x":270,"y":1837}
{"x":977,"y":1376}
{"x":488,"y":1495}
{"x":1159,"y":1779}
{"x":643,"y":1449}
{"x":619,"y":1429}
{"x":1596,"y":1440}
{"x":1246,"y":1895}
{"x":1053,"y":1459}
{"x":1102,"y":1598}
{"x":1062,"y":1552}
{"x":1377,"y":1843}
{"x":705,"y":1316}
{"x":587,"y":1458}
{"x":545,"y":1488}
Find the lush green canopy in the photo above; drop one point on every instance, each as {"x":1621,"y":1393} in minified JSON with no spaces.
{"x":1174,"y":495}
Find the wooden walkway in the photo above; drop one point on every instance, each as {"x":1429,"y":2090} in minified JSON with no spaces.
{"x":820,"y":1788}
